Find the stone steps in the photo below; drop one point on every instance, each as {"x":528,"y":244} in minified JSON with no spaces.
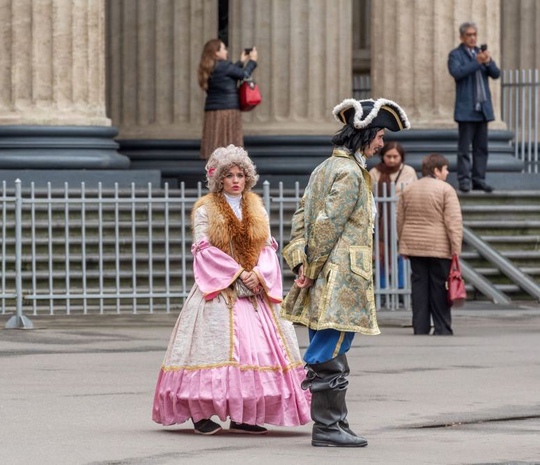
{"x":509,"y":221}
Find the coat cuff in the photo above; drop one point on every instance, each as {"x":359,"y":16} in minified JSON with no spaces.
{"x":313,"y":269}
{"x":294,"y":253}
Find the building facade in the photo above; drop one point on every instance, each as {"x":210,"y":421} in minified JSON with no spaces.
{"x":118,"y":77}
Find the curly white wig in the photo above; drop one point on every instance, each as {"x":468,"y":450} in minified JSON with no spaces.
{"x":222,"y":160}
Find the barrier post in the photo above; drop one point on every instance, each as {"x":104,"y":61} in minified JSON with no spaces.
{"x":18,"y":321}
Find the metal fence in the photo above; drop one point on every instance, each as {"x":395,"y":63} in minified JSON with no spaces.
{"x":79,"y":251}
{"x":391,"y":271}
{"x":520,"y":113}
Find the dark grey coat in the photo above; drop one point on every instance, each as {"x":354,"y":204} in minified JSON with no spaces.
{"x":463,"y":67}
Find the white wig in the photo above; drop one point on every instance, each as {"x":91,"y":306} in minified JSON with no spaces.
{"x":222,"y":160}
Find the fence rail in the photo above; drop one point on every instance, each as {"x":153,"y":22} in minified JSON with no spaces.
{"x":520,"y":113}
{"x":79,"y":251}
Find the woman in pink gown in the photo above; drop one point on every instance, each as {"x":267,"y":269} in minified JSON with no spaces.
{"x":230,"y":354}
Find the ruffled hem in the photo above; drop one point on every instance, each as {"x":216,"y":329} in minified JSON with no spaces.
{"x":248,"y":396}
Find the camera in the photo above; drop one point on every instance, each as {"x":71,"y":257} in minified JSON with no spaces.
{"x":247,"y":51}
{"x":483,"y":47}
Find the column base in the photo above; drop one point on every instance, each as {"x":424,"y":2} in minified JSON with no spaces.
{"x":420,"y":142}
{"x":91,"y":178}
{"x":504,"y":170}
{"x":60,"y":147}
{"x":293,"y":158}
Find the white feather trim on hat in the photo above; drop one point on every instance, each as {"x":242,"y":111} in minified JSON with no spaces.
{"x":348,"y":103}
{"x":360,"y":123}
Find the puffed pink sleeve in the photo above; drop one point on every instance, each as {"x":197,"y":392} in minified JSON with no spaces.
{"x":269,"y":272}
{"x":213,"y":269}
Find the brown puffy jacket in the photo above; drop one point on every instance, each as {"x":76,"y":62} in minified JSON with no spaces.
{"x":429,"y":220}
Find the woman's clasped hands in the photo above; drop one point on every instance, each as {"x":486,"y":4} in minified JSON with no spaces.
{"x":251,"y":280}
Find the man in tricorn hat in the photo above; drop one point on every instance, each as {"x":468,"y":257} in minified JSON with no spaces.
{"x":331,"y":252}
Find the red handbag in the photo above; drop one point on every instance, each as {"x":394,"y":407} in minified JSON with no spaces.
{"x":455,"y":284}
{"x":250,"y":95}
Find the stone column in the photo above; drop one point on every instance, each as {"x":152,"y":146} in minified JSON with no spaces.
{"x":52,"y":86}
{"x":410,"y":43}
{"x":305,"y":62}
{"x":411,"y":40}
{"x":520,"y":24}
{"x":154,"y":49}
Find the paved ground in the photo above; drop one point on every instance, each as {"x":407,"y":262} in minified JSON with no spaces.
{"x":78,"y":390}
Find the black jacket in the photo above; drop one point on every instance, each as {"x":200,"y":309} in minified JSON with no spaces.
{"x":222,"y":93}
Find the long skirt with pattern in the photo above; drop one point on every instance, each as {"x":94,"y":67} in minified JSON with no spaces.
{"x":240,"y":362}
{"x":221,"y":128}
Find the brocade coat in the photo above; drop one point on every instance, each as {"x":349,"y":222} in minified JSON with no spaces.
{"x":332,"y":236}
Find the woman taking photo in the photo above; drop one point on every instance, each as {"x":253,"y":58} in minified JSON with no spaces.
{"x":219,"y":77}
{"x":230,"y":354}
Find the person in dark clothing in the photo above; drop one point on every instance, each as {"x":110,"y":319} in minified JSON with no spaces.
{"x":219,"y":77}
{"x":471,"y":66}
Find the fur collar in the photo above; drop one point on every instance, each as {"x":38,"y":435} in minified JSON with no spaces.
{"x":242,"y":240}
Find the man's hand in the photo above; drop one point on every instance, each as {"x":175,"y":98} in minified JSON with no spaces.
{"x":303,"y":282}
{"x":483,"y":57}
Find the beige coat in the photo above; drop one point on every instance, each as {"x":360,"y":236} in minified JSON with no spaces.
{"x":332,"y":236}
{"x":429,"y":220}
{"x":408,"y":175}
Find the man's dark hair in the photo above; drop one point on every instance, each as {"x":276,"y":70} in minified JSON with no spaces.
{"x":354,"y":139}
{"x":432,"y":161}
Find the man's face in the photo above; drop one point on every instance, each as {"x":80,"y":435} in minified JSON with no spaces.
{"x":469,"y":37}
{"x":375,"y":145}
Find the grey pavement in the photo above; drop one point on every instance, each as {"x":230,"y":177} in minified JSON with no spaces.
{"x":78,"y":390}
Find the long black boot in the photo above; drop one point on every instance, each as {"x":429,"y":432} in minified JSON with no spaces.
{"x":332,"y":374}
{"x":328,"y":384}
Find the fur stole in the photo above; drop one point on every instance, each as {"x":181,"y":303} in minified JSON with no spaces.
{"x":242,"y":240}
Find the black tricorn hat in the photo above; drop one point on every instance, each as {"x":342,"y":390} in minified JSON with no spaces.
{"x":365,"y":114}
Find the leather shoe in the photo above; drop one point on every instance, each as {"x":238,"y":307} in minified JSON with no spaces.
{"x":464,"y":187}
{"x":482,"y":186}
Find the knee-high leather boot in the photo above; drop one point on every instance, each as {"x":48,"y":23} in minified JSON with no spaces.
{"x":328,"y":385}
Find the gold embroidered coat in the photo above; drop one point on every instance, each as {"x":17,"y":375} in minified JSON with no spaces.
{"x":332,"y":236}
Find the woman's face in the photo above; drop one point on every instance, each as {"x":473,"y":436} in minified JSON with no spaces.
{"x":234,"y":181}
{"x":441,"y":174}
{"x":222,"y":53}
{"x":392,"y":158}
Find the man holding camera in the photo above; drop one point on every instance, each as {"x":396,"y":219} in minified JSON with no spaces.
{"x":471,"y":66}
